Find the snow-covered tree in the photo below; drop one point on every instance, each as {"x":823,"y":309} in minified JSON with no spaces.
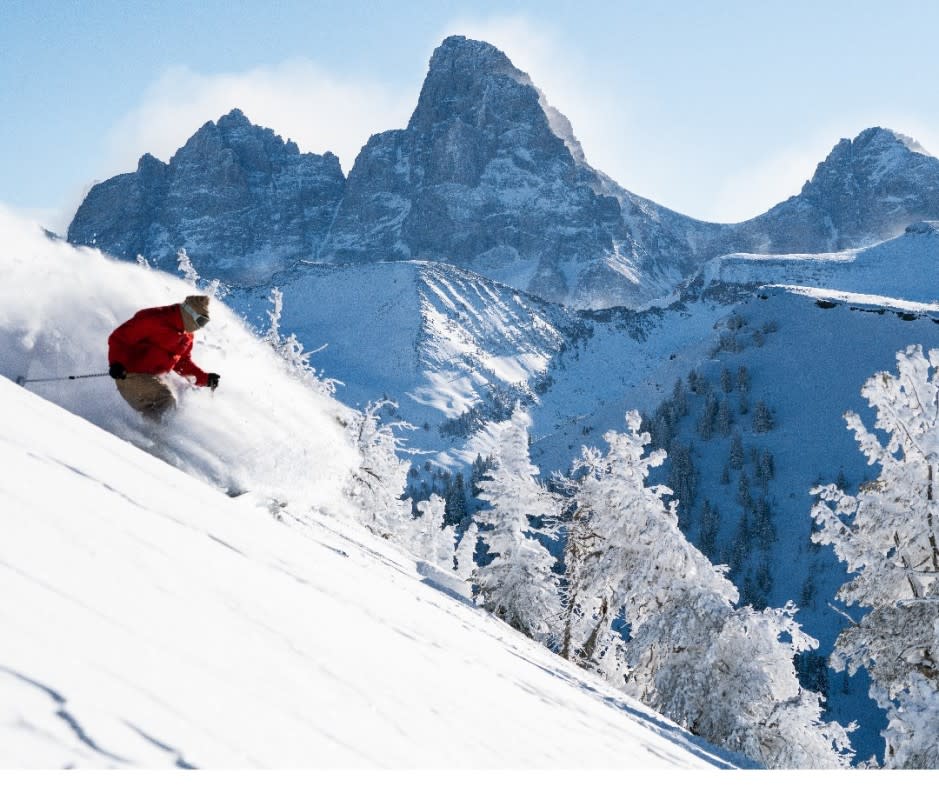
{"x":518,"y":583}
{"x":290,"y":349}
{"x":428,"y":537}
{"x":724,"y":673}
{"x":377,"y":486}
{"x":887,"y":536}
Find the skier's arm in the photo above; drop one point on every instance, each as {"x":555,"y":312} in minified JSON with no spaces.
{"x":186,"y":367}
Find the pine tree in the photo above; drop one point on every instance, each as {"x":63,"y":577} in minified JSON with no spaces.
{"x":887,"y":536}
{"x":679,"y":399}
{"x":428,"y":537}
{"x":762,"y":418}
{"x":377,"y":487}
{"x":708,"y":417}
{"x":710,"y":525}
{"x":726,"y":382}
{"x":736,"y":452}
{"x":455,"y":500}
{"x":518,"y":583}
{"x":743,"y":490}
{"x":725,"y":418}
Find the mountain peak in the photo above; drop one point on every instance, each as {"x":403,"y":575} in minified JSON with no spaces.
{"x":234,"y":119}
{"x":458,"y":53}
{"x":878,"y":137}
{"x":472,"y":80}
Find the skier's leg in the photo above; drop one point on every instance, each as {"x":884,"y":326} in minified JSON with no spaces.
{"x":148,"y":394}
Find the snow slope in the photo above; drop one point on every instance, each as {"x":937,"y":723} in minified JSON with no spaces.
{"x":905,"y":267}
{"x":148,"y":619}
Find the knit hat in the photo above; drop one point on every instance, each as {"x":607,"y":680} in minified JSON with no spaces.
{"x":198,"y":303}
{"x":196,"y":307}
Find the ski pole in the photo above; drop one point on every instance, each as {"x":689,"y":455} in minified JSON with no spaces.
{"x":21,"y":380}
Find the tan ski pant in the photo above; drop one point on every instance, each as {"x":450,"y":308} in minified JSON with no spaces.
{"x":148,"y":394}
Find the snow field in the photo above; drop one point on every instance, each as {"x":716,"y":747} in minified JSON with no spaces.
{"x":151,"y":621}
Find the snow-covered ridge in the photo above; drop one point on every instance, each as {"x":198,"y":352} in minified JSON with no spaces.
{"x":905,"y":267}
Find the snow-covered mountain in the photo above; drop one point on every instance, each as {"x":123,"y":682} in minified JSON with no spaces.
{"x":867,"y":189}
{"x":236,"y":195}
{"x":486,"y":175}
{"x":150,"y":620}
{"x":905,"y":267}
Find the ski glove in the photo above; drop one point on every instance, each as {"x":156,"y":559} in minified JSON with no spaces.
{"x":212,"y":382}
{"x":117,"y":371}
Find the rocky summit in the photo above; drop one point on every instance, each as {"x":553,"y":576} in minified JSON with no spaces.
{"x":236,"y":196}
{"x":867,"y":190}
{"x":486,"y":176}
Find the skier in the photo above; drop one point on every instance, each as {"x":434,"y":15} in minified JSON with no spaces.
{"x":152,"y":343}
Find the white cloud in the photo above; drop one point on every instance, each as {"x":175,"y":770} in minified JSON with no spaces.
{"x":299,"y":100}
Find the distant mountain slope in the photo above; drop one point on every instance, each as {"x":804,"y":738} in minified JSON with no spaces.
{"x":441,"y":341}
{"x":905,"y":267}
{"x":236,"y":196}
{"x":866,"y":190}
{"x":487,"y":175}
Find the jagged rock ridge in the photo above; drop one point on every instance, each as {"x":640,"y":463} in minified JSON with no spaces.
{"x":487,"y":176}
{"x":235,"y":196}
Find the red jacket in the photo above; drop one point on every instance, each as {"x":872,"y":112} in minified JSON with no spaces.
{"x":155,"y":341}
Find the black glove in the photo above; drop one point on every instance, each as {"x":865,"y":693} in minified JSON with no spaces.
{"x":212,"y":382}
{"x":117,"y":371}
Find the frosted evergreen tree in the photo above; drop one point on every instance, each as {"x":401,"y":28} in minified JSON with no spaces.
{"x":887,"y":536}
{"x":465,"y":551}
{"x":726,"y":674}
{"x":427,"y":537}
{"x":186,"y":268}
{"x":378,"y":485}
{"x":518,"y":584}
{"x":290,"y":349}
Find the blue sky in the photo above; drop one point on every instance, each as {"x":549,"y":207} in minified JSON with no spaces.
{"x":715,"y":109}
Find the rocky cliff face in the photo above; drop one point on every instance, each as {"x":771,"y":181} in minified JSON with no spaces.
{"x":236,"y":196}
{"x":867,"y":190}
{"x":488,"y":176}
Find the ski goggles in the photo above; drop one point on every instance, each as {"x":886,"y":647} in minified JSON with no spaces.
{"x":201,"y":320}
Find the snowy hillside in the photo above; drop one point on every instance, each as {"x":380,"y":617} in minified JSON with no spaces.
{"x":437,"y":338}
{"x":150,"y":620}
{"x":905,"y":267}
